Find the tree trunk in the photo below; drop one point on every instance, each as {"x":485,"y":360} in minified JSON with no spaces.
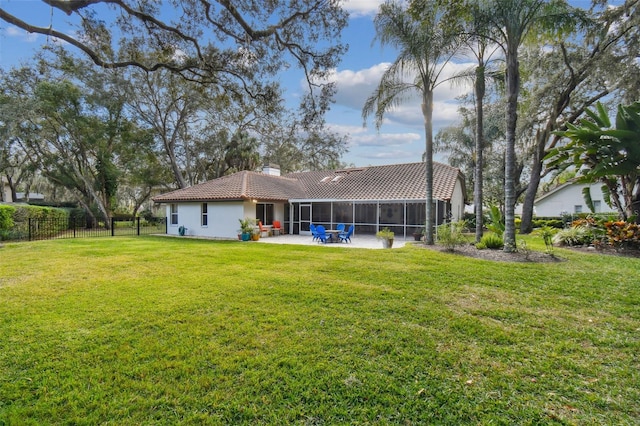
{"x":526,"y":226}
{"x":479,"y":163}
{"x":427,"y":112}
{"x":513,"y":82}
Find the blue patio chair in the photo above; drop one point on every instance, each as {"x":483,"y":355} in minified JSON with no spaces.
{"x":346,"y":236}
{"x":340,"y":227}
{"x":314,"y":231}
{"x":322,"y":234}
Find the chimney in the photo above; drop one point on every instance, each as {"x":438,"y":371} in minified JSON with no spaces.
{"x":271,"y":169}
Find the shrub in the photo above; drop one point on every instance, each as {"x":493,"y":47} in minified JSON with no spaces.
{"x":16,"y":227}
{"x":574,"y":236}
{"x":622,"y":234}
{"x":6,"y":217}
{"x":496,"y":221}
{"x":451,"y":235}
{"x":492,"y":241}
{"x":549,"y":223}
{"x":547,"y":234}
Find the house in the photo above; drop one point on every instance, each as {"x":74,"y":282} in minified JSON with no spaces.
{"x":568,"y":199}
{"x":370,"y":198}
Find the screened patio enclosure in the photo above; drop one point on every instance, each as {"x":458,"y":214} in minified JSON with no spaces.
{"x":403,"y":217}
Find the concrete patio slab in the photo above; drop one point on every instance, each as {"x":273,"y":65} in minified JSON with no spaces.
{"x":357,"y":241}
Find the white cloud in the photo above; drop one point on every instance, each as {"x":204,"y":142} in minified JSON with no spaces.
{"x":21,"y":34}
{"x":397,"y":156}
{"x":362,"y":7}
{"x":355,"y":86}
{"x":385,"y":139}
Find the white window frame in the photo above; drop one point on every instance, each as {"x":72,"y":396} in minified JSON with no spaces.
{"x":173,"y":219}
{"x":204,"y":215}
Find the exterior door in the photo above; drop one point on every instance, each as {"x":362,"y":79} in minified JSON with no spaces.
{"x":305,"y":219}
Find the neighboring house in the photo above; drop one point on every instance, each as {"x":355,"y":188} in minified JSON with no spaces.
{"x":370,"y":198}
{"x":568,"y":198}
{"x":26,"y":197}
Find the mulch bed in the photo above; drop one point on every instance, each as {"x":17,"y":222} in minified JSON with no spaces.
{"x":498,"y":255}
{"x":529,"y":255}
{"x":606,"y":250}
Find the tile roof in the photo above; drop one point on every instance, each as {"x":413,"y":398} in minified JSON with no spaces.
{"x":243,"y":185}
{"x":390,"y":182}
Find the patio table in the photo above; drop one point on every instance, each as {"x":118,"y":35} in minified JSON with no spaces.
{"x":334,"y":235}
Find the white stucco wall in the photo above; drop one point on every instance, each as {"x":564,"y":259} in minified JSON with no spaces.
{"x":566,"y":199}
{"x":457,"y":202}
{"x":222,"y":218}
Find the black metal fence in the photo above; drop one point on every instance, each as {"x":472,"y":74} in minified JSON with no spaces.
{"x":48,"y":229}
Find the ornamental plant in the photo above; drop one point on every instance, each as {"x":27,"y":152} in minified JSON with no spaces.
{"x":621,"y":234}
{"x":450,"y":235}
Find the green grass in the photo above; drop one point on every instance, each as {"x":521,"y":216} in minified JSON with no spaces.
{"x":151,"y":330}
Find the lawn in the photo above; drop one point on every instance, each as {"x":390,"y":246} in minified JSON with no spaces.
{"x":153,"y":330}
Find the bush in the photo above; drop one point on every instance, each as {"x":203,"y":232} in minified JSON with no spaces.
{"x":548,"y":223}
{"x":496,"y":221}
{"x":6,"y":217}
{"x":547,"y":234}
{"x":451,"y":235}
{"x":574,"y":236}
{"x":16,"y":227}
{"x":622,"y":234}
{"x":491,"y":241}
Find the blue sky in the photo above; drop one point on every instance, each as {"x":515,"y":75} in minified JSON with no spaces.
{"x":400,"y":139}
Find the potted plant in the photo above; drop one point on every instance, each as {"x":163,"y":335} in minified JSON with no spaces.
{"x":255,"y":234}
{"x":246,"y":228}
{"x":386,"y":235}
{"x":418,"y":234}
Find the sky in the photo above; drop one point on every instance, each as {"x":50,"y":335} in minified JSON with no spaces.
{"x":399,"y":140}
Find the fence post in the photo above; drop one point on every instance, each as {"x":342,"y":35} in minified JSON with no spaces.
{"x":138,"y":224}
{"x":113,"y":227}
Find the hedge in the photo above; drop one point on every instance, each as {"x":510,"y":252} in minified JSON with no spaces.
{"x":14,"y":220}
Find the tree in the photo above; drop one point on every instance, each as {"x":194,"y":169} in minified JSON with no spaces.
{"x":511,"y":21}
{"x":472,"y":25}
{"x":74,"y":133}
{"x":602,"y":153}
{"x":599,"y":62}
{"x":242,"y":153}
{"x":459,"y":141}
{"x":225,"y":43}
{"x":170,"y":106}
{"x":425,"y":46}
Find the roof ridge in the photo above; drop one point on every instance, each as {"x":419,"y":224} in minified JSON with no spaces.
{"x":243,"y":187}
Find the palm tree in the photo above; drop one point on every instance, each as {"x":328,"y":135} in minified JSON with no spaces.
{"x":480,"y":49}
{"x":425,"y":47}
{"x":511,"y":21}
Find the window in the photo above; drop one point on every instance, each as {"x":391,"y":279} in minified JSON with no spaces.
{"x":264,"y":213}
{"x":596,"y":206}
{"x":174,"y":214}
{"x":204,"y":219}
{"x":577,"y":208}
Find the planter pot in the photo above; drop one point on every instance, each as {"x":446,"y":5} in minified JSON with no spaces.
{"x":255,"y":237}
{"x":387,"y":242}
{"x":417,"y":237}
{"x":246,"y":236}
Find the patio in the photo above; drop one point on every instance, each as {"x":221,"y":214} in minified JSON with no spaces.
{"x":357,"y":241}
